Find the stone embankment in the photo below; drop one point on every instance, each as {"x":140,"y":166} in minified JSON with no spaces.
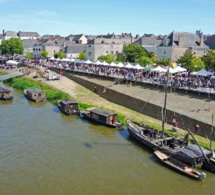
{"x":189,"y":109}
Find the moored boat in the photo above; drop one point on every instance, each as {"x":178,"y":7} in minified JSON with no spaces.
{"x":154,"y":139}
{"x":101,"y":116}
{"x":5,"y":94}
{"x":68,"y":106}
{"x":35,"y":95}
{"x":179,"y":166}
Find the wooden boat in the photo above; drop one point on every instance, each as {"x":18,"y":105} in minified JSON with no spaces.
{"x":5,"y":94}
{"x":179,"y":166}
{"x":101,"y":116}
{"x":35,"y":95}
{"x":157,"y":140}
{"x":68,"y":106}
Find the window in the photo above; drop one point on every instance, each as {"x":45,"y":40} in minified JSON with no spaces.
{"x":111,"y":52}
{"x":164,"y":51}
{"x":106,"y":51}
{"x":89,"y":45}
{"x":89,"y":53}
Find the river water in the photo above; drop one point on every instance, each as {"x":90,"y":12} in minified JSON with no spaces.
{"x":43,"y":151}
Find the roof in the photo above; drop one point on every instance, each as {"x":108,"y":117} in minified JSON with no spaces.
{"x":148,"y":41}
{"x":11,"y":33}
{"x":68,"y":102}
{"x":189,"y":39}
{"x":100,"y":111}
{"x":2,"y":89}
{"x":28,"y":34}
{"x":35,"y":90}
{"x":78,"y":48}
{"x":29,"y":42}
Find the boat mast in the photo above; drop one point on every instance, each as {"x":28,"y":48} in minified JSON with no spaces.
{"x":165,"y":101}
{"x":212,"y":134}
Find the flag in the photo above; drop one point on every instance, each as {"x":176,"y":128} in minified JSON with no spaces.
{"x":171,"y":64}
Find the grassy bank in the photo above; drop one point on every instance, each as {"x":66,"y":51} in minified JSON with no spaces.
{"x":53,"y":95}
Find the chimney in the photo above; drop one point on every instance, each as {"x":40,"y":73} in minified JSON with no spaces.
{"x":137,"y":36}
{"x":3,"y":32}
{"x":201,"y":41}
{"x":132,"y":39}
{"x":180,"y":40}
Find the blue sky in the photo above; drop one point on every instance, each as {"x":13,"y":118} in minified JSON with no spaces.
{"x":94,"y":17}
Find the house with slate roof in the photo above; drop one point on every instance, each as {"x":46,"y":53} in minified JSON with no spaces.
{"x":177,"y":43}
{"x":28,"y":35}
{"x":78,"y":39}
{"x":28,"y":45}
{"x":73,"y":51}
{"x":10,"y":34}
{"x":1,"y":38}
{"x":149,"y":42}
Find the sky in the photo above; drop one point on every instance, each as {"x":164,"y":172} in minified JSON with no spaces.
{"x":96,"y":17}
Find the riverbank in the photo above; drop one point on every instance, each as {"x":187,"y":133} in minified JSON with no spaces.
{"x":84,"y":95}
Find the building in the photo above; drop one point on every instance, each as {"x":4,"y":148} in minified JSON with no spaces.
{"x":28,"y":35}
{"x":177,"y":43}
{"x":73,"y":51}
{"x":107,"y":44}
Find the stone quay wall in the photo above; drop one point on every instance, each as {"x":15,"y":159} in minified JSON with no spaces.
{"x":136,"y":104}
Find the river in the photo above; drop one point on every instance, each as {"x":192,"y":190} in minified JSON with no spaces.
{"x":45,"y":152}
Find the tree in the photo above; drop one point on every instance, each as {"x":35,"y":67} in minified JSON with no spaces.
{"x":144,"y":61}
{"x":108,"y":58}
{"x":82,"y":56}
{"x":185,"y":60}
{"x":153,"y":56}
{"x":29,"y":55}
{"x":163,"y":61}
{"x":120,"y":58}
{"x":102,"y":58}
{"x":61,"y":55}
{"x":12,"y":46}
{"x":196,"y":64}
{"x":134,"y":52}
{"x":209,"y":60}
{"x":44,"y":54}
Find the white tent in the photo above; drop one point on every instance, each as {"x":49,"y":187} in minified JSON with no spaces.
{"x":112,"y":64}
{"x":171,"y":70}
{"x":97,"y":63}
{"x":88,"y":62}
{"x":129,"y":66}
{"x":137,"y":66}
{"x":180,"y":69}
{"x":158,"y":69}
{"x":12,"y":62}
{"x":204,"y":73}
{"x":105,"y":63}
{"x":120,"y":65}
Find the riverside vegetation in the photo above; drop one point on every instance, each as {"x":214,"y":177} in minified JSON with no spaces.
{"x":53,"y":95}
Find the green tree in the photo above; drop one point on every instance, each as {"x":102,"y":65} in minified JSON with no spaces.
{"x":196,"y":64}
{"x":108,"y":58}
{"x":44,"y":54}
{"x":209,"y":60}
{"x":82,"y":56}
{"x":120,"y":58}
{"x":29,"y":55}
{"x":185,"y":60}
{"x":163,"y":61}
{"x":153,"y":56}
{"x":61,"y":55}
{"x":12,"y":46}
{"x":144,"y":61}
{"x":134,"y":52}
{"x":102,"y":58}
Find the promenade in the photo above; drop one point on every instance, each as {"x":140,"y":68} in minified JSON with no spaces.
{"x":193,"y":105}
